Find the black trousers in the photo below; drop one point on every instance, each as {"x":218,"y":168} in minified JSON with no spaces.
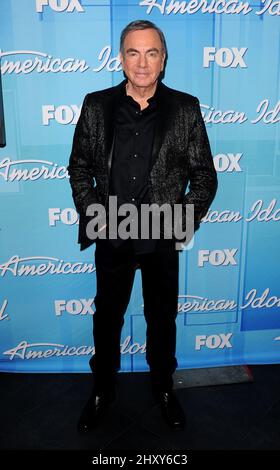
{"x":115,"y":271}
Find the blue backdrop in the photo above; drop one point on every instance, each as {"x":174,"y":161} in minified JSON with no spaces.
{"x":53,"y":52}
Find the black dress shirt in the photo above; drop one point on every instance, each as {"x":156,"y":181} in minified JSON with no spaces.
{"x":131,"y":163}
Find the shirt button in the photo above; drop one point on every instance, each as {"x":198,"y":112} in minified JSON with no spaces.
{"x":134,"y":177}
{"x":136,"y":133}
{"x":135,"y":155}
{"x":133,"y":200}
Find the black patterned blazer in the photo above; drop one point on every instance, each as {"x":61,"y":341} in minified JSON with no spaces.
{"x":181,"y":154}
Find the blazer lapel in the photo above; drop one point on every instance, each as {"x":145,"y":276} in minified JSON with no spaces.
{"x":162,"y":122}
{"x":110,"y":108}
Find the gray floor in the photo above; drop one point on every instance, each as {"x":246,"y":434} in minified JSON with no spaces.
{"x":40,"y":411}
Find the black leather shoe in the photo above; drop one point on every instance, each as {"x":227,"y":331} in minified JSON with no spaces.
{"x":93,"y":411}
{"x":171,"y":409}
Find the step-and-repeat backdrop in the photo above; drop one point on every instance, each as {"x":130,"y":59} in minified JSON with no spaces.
{"x":226,"y":53}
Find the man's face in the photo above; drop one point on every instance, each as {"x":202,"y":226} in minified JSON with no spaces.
{"x":143,"y":58}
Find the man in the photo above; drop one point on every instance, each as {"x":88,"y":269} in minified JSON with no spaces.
{"x":142,"y":142}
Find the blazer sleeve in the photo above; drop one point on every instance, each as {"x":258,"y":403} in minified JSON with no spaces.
{"x":81,"y":166}
{"x":203,"y":181}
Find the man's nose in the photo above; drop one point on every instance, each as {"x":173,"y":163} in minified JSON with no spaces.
{"x":142,"y":60}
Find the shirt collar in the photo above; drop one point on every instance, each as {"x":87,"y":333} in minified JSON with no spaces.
{"x":150,"y":100}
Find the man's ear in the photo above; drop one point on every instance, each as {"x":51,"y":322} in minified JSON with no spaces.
{"x":121,"y":57}
{"x":163,"y":60}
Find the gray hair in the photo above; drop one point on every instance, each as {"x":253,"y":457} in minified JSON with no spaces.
{"x":141,"y":24}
